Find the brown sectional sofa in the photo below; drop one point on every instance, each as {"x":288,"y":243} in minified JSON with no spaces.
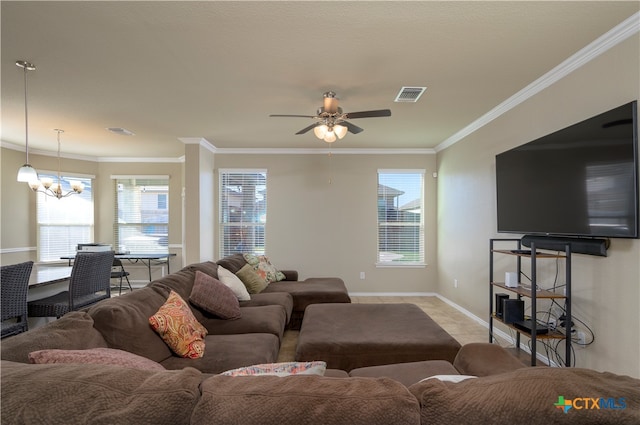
{"x":193,"y":392}
{"x":315,"y":290}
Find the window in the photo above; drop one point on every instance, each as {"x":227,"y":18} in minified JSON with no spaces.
{"x":66,"y":222}
{"x":243,"y":211}
{"x":400,"y":217}
{"x":142,"y":214}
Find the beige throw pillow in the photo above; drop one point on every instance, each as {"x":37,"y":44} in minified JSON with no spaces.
{"x":233,"y":282}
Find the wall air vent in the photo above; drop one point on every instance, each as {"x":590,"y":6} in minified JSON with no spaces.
{"x":121,"y":131}
{"x":409,"y":94}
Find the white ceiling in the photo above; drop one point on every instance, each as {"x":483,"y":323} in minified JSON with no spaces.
{"x":216,"y":70}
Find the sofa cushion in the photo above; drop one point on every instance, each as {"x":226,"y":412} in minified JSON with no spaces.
{"x":531,"y":396}
{"x":406,"y":373}
{"x":280,"y":369}
{"x":73,"y":331}
{"x":225,"y":352}
{"x":262,"y":319}
{"x":109,"y":356}
{"x":251,"y":279}
{"x":177,"y":326}
{"x":305,"y":400}
{"x":283,"y":299}
{"x":96,"y":394}
{"x":234,"y":283}
{"x":312,"y":291}
{"x":180,"y":282}
{"x":124,"y":322}
{"x":206,"y":267}
{"x":483,"y":359}
{"x":233,"y":262}
{"x":264,"y":268}
{"x":213,"y":296}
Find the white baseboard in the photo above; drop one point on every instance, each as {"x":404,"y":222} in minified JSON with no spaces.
{"x":392,"y":294}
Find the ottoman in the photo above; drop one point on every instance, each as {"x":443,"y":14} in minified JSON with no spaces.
{"x":350,"y":336}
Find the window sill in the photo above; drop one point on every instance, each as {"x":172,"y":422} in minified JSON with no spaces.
{"x":393,"y":265}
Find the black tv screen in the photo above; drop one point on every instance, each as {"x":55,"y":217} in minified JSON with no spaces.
{"x":579,"y":181}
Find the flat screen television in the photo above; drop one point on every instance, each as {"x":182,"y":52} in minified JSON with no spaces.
{"x":581,"y":181}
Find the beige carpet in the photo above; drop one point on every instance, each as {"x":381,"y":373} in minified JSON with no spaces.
{"x":461,"y":327}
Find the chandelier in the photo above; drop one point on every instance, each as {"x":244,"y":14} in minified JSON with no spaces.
{"x":49,"y":188}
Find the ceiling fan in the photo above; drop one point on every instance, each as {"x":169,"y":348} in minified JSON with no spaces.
{"x":330,"y":122}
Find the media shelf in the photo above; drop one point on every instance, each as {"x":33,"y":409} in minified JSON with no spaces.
{"x":525,"y":291}
{"x":549,"y":335}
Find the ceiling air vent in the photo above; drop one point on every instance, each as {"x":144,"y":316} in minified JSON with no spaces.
{"x":121,"y":131}
{"x":409,"y":94}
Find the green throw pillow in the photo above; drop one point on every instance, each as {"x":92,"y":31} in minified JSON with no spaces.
{"x":251,"y":279}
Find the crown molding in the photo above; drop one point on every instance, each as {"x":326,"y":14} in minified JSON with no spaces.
{"x":323,"y":151}
{"x":611,"y":38}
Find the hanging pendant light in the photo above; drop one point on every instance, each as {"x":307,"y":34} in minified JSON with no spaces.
{"x":26,"y":173}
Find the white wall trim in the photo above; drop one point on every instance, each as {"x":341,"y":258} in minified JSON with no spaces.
{"x":611,"y":38}
{"x":393,"y":294}
{"x":323,"y":151}
{"x":17,"y":249}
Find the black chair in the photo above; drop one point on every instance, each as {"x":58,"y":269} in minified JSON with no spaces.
{"x":118,"y":272}
{"x":90,"y":283}
{"x":14,"y":281}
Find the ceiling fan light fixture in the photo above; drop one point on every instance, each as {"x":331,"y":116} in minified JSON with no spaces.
{"x":330,"y":137}
{"x":320,"y":131}
{"x":340,"y":130}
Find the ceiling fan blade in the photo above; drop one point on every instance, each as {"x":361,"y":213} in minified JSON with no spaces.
{"x":304,"y":130}
{"x":368,"y":114}
{"x":352,"y":128}
{"x":295,"y":116}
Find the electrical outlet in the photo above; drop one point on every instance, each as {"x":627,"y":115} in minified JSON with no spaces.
{"x":362,"y":275}
{"x":582,"y":337}
{"x":455,"y":283}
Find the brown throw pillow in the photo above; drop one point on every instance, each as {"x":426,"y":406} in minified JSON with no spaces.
{"x":252,"y":280}
{"x":213,"y":296}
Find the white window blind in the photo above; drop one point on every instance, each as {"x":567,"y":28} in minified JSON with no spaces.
{"x":66,"y":222}
{"x":243,"y":211}
{"x":142,"y":214}
{"x":400,"y":217}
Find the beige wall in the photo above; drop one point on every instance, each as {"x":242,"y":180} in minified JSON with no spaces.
{"x":18,"y":220}
{"x":606,"y":291}
{"x":322,"y":217}
{"x":322,"y":212}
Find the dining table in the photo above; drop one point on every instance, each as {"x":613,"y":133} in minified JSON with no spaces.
{"x":144,"y":258}
{"x":43,"y":274}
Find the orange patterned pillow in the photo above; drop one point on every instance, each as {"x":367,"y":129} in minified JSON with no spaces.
{"x":179,"y":328}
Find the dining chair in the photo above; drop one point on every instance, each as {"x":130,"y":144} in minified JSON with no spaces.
{"x":14,"y":281}
{"x":90,"y":282}
{"x":118,"y":272}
